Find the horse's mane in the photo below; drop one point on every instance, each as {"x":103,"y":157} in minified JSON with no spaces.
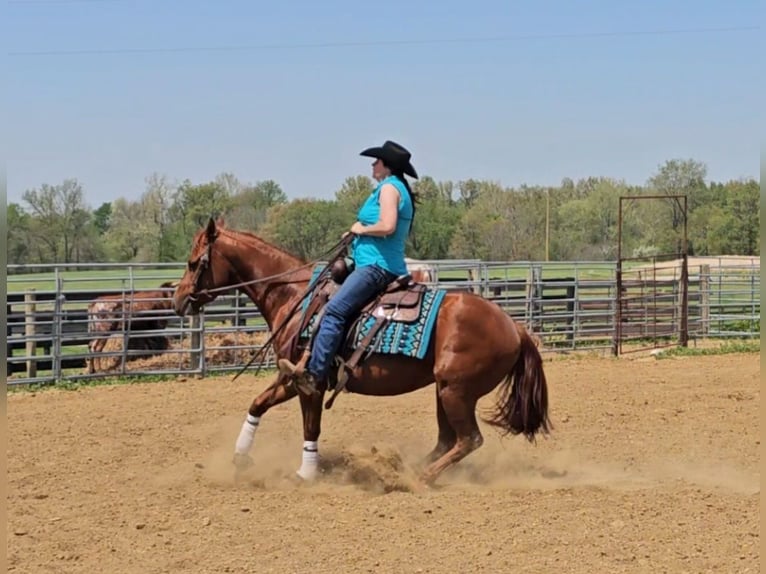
{"x":259,"y":240}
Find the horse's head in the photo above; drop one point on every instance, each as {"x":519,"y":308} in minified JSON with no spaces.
{"x":203,"y":273}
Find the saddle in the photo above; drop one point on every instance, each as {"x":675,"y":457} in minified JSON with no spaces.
{"x":400,"y":301}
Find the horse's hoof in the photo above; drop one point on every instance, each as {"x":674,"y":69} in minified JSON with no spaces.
{"x":426,"y":482}
{"x":242,"y":462}
{"x":306,"y":476}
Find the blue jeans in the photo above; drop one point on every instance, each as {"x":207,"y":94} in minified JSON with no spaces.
{"x":359,"y":288}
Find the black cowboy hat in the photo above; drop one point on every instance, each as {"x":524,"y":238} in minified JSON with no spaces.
{"x":395,"y":156}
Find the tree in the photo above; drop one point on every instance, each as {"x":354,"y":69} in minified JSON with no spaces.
{"x":436,"y":222}
{"x":19,"y":249}
{"x":680,"y":177}
{"x":427,"y":189}
{"x":483,"y":230}
{"x":305,"y":227}
{"x":229,"y":183}
{"x":469,"y":191}
{"x":742,"y":224}
{"x":707,"y":228}
{"x":102,"y":218}
{"x":59,"y":218}
{"x":249,"y":208}
{"x":195,"y":204}
{"x":353,"y":193}
{"x":126,"y":235}
{"x":590,"y":223}
{"x":162,"y":239}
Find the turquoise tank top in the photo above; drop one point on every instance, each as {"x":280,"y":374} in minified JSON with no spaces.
{"x":387,"y":252}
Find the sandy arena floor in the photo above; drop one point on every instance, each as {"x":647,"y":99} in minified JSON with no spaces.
{"x":652,"y":467}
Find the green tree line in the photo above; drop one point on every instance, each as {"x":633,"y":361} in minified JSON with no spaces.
{"x":465,"y":219}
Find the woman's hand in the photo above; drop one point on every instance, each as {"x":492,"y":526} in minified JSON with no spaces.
{"x":357,"y":229}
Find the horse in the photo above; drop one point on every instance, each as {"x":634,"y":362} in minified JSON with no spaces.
{"x":419,"y":271}
{"x":137,"y":311}
{"x":474,"y":349}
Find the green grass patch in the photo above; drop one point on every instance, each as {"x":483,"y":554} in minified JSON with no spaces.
{"x":521,"y":271}
{"x":725,"y":348}
{"x":97,"y":279}
{"x":74,"y":385}
{"x":77,"y":384}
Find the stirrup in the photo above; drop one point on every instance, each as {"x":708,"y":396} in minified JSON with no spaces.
{"x":302,"y":380}
{"x":287,"y":367}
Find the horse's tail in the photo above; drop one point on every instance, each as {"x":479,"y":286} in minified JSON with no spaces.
{"x":522,"y":407}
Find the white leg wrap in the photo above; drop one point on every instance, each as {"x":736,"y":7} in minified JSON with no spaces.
{"x":310,"y":467}
{"x":245,"y":439}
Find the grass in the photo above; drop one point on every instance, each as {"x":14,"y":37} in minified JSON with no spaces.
{"x":75,"y":385}
{"x":725,"y":348}
{"x":147,"y":277}
{"x":520,"y":271}
{"x":144,"y":277}
{"x":79,"y":384}
{"x":96,"y":279}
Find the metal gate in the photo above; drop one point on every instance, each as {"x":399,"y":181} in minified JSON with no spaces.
{"x":652,"y":299}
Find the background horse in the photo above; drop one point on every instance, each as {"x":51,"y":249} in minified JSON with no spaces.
{"x":475,"y":348}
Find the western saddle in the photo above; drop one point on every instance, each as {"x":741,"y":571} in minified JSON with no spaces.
{"x":401,"y":301}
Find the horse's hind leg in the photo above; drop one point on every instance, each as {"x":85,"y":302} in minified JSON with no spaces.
{"x":274,"y":395}
{"x":95,"y":346}
{"x":460,"y":411}
{"x":447,"y":436}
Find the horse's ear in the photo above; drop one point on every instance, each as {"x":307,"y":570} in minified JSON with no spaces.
{"x":211,"y":230}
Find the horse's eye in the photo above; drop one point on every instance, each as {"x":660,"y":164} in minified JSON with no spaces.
{"x":192,"y":265}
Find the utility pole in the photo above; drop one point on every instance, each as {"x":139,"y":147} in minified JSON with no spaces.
{"x":547,"y":222}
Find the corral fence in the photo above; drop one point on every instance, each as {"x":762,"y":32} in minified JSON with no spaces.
{"x":569,"y":306}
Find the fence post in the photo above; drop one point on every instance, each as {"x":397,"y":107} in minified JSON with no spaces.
{"x":125,"y":327}
{"x":704,"y":299}
{"x":57,"y":331}
{"x":8,"y":348}
{"x":29,"y":333}
{"x":617,"y":340}
{"x":474,"y":276}
{"x":570,"y":320}
{"x":534,"y":298}
{"x":197,"y":344}
{"x":684,"y":337}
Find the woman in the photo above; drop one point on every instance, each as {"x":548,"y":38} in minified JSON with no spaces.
{"x":384,"y":222}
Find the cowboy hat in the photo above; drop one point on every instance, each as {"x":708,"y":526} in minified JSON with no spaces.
{"x":395,"y":156}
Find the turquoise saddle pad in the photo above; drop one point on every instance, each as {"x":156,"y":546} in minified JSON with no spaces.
{"x":396,"y":338}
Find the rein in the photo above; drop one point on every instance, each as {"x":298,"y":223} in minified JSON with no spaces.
{"x":334,"y":252}
{"x":205,"y":261}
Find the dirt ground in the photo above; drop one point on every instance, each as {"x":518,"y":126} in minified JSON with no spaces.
{"x":652,"y":467}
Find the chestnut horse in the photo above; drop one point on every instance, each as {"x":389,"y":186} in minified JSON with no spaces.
{"x":475,"y":348}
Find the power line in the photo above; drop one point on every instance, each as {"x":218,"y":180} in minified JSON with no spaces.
{"x":60,"y":1}
{"x":375,"y":43}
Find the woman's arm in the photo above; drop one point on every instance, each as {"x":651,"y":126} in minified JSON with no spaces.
{"x":389,"y":213}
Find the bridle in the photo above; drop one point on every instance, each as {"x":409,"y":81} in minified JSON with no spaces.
{"x":203,"y":263}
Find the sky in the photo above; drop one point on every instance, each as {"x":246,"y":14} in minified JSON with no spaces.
{"x":518,"y":92}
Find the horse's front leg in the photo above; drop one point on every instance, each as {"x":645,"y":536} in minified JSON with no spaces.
{"x":276,"y":394}
{"x":311,"y":409}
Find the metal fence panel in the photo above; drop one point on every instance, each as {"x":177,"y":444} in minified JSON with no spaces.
{"x":569,"y":306}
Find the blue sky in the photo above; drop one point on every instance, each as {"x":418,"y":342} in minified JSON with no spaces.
{"x":537,"y":100}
